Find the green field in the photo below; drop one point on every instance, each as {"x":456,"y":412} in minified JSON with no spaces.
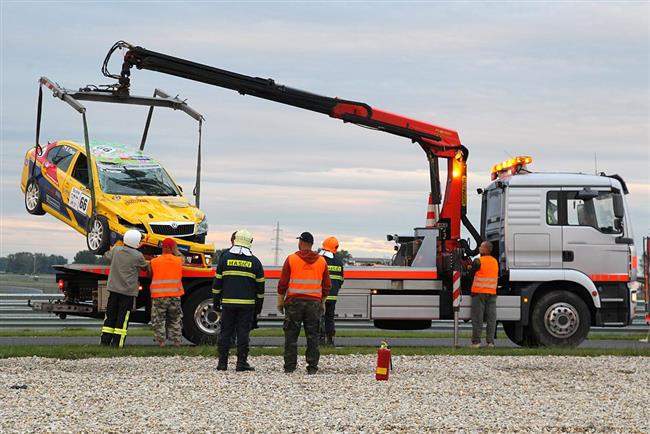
{"x":341,"y":333}
{"x":81,"y":351}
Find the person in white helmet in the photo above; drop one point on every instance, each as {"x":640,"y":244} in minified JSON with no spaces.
{"x":122,"y":286}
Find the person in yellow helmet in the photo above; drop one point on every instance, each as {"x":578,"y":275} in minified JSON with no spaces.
{"x":335,"y":267}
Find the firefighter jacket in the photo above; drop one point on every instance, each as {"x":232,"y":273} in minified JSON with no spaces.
{"x":167,"y":271}
{"x":486,"y":276}
{"x":305,"y":276}
{"x":239,"y":281}
{"x":335,"y":268}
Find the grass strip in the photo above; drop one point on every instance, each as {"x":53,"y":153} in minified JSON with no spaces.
{"x":341,"y":333}
{"x":88,"y":351}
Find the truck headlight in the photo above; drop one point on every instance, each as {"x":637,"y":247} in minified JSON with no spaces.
{"x":202,"y":227}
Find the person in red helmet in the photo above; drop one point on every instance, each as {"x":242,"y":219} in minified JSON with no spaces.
{"x":335,"y":267}
{"x":166,"y":291}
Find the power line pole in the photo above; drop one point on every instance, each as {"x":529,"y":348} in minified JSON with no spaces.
{"x":277,"y":239}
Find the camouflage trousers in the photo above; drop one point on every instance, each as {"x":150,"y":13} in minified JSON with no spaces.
{"x":299,"y":313}
{"x":166,"y":318}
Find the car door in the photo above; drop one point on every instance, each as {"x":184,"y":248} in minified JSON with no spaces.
{"x":76,"y":193}
{"x":56,"y":166}
{"x":589,"y":236}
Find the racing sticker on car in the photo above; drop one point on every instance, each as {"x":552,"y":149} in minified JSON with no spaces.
{"x":79,"y":201}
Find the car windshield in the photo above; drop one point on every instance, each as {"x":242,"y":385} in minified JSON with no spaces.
{"x":140,"y":180}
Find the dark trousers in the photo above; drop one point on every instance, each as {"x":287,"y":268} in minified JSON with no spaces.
{"x":298,"y":312}
{"x":484,"y":307}
{"x":116,"y":321}
{"x":236,"y":320}
{"x":328,"y":326}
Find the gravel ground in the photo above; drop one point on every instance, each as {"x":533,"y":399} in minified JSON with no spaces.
{"x":424,"y":393}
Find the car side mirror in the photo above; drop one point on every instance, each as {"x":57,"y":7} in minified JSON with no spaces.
{"x":587,"y":194}
{"x":619,"y":209}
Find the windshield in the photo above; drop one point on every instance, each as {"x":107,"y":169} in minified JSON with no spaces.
{"x":140,"y":180}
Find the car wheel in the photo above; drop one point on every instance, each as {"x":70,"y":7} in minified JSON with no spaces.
{"x":201,"y":323}
{"x":33,"y":202}
{"x":98,"y":235}
{"x":560,"y":318}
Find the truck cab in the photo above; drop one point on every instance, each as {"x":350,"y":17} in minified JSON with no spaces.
{"x":564,"y":244}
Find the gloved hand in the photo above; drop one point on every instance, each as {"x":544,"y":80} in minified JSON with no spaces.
{"x":254,"y":324}
{"x":281,"y":303}
{"x":216,"y":303}
{"x":322,"y":308}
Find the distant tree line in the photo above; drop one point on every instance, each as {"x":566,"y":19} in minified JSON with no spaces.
{"x":30,"y":263}
{"x":41,"y":263}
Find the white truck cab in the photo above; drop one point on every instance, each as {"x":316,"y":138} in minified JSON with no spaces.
{"x":564,"y":244}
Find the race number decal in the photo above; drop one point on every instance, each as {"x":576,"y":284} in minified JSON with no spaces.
{"x":79,"y":201}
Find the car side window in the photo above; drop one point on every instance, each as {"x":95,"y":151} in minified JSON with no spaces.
{"x":61,"y":156}
{"x":80,"y":171}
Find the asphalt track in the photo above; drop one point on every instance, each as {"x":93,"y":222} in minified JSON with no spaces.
{"x":279,"y":341}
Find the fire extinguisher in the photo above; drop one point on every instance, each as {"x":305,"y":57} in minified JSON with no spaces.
{"x":384,"y":364}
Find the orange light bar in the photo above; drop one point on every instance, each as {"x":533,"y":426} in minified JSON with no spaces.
{"x":509,"y":164}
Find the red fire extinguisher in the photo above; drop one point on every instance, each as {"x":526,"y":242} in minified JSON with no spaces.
{"x":383,"y":362}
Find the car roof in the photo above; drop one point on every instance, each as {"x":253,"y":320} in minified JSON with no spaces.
{"x":111,"y":152}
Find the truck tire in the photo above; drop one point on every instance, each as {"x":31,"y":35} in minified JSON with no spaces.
{"x":526,"y":340}
{"x":201,"y":323}
{"x":33,"y":200}
{"x":560,"y":318}
{"x":98,"y":235}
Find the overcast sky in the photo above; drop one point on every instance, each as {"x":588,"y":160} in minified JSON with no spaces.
{"x":558,"y":81}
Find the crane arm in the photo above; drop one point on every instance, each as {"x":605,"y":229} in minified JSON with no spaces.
{"x":436,"y":141}
{"x":437,"y":138}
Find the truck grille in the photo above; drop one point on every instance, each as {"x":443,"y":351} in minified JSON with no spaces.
{"x":180,"y":229}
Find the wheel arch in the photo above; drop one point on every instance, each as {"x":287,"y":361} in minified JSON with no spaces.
{"x":565,"y":285}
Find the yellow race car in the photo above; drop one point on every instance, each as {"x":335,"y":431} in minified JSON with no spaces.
{"x":132,"y":191}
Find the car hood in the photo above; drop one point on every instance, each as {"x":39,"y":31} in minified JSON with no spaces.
{"x":148,"y":209}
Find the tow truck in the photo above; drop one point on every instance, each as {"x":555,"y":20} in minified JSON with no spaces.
{"x":563,"y":241}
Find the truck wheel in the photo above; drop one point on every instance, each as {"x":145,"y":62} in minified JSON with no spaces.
{"x":33,"y":202}
{"x":526,"y":340}
{"x":560,"y":318}
{"x":201,"y":323}
{"x":98,"y":235}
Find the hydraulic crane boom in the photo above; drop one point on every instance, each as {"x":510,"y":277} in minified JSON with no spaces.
{"x":436,"y":141}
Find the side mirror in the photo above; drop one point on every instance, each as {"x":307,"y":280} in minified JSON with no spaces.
{"x":619,"y":209}
{"x":479,"y":190}
{"x":587,"y":194}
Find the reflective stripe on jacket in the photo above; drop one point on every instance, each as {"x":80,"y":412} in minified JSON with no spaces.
{"x":487,"y":277}
{"x":239,"y":280}
{"x":306,"y":279}
{"x":167,"y":271}
{"x":335,"y":268}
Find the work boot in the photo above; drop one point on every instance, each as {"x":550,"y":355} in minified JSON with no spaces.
{"x":223,"y":361}
{"x":311,"y":370}
{"x":242,"y":363}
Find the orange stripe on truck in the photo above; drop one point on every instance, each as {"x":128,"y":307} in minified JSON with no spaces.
{"x":609,"y":277}
{"x":373,"y":274}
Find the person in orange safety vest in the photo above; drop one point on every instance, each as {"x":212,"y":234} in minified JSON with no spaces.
{"x":166,"y":290}
{"x":302,"y":290}
{"x":484,"y":295}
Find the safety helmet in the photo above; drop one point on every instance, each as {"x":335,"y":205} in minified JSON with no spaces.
{"x":331,"y":244}
{"x":132,"y":238}
{"x":243,"y":238}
